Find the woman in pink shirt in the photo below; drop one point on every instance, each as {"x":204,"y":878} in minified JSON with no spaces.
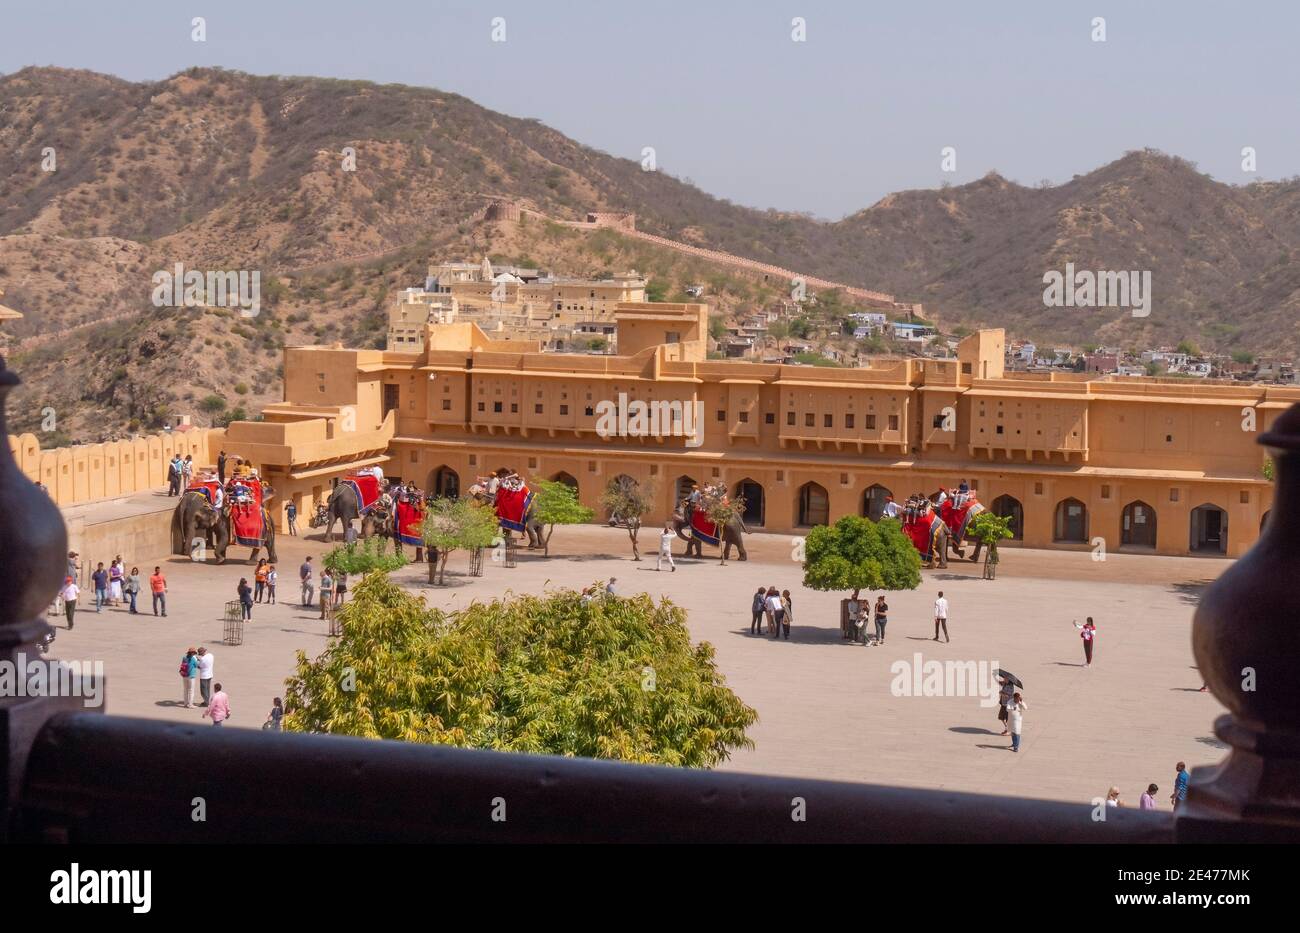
{"x":219,"y":707}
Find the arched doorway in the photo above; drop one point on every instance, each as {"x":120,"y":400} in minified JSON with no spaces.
{"x":752,"y":493}
{"x":682,"y":489}
{"x":1010,"y":507}
{"x":567,"y":479}
{"x":1137,"y":526}
{"x":873,"y":501}
{"x":1209,"y":529}
{"x":814,"y":505}
{"x":444,"y":483}
{"x":1071,"y":521}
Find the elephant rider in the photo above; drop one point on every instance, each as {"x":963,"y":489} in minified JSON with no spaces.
{"x":218,"y":498}
{"x":692,"y":502}
{"x":891,"y":509}
{"x":942,"y":497}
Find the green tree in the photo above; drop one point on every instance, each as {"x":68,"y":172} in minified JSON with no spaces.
{"x":656,"y":290}
{"x":213,"y":404}
{"x":1243,"y":356}
{"x":627,"y":504}
{"x":988,"y":529}
{"x":717,"y":326}
{"x":858,"y":554}
{"x":1189,"y":347}
{"x":778,"y":330}
{"x":556,"y":503}
{"x":456,"y":525}
{"x":609,"y":678}
{"x":361,"y":557}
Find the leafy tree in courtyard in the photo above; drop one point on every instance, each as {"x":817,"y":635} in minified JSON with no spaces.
{"x":627,"y":504}
{"x":858,"y":554}
{"x":988,"y":529}
{"x":556,"y":503}
{"x":361,"y":557}
{"x":456,"y":525}
{"x":607,"y":678}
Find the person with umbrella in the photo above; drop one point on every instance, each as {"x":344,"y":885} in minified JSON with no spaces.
{"x":1009,"y":682}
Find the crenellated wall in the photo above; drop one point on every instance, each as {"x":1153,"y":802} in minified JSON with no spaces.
{"x":86,"y":472}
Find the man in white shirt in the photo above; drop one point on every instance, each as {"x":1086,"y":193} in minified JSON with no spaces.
{"x":853,"y":611}
{"x":206,"y":660}
{"x":609,"y":587}
{"x":70,"y":592}
{"x":777,"y":609}
{"x":891,"y":508}
{"x":666,"y":548}
{"x":941,"y":617}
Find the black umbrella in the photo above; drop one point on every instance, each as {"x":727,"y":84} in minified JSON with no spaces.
{"x":1011,"y":677}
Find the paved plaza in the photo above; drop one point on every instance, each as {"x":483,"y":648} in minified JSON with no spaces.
{"x":825,"y":707}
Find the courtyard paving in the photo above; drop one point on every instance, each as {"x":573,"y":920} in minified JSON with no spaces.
{"x":825,"y":707}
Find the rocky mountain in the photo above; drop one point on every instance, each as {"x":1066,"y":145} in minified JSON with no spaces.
{"x":340,"y":191}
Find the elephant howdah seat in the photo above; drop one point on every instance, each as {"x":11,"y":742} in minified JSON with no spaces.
{"x":512,"y":506}
{"x":704,"y":529}
{"x":410,"y":519}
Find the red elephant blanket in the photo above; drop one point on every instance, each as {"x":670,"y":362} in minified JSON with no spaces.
{"x":207,"y":489}
{"x":247,"y":516}
{"x":410,"y":516}
{"x":366,"y":488}
{"x":512,"y":507}
{"x":702,"y":528}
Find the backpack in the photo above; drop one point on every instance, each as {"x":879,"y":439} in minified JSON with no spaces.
{"x":185,"y":666}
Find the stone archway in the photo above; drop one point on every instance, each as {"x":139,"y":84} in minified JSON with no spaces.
{"x":814,"y":505}
{"x":443,"y":483}
{"x":1209,"y":529}
{"x":1071,"y":523}
{"x":753,"y":495}
{"x":1005,"y":506}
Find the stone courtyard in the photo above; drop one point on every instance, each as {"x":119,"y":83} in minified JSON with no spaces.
{"x":825,"y":707}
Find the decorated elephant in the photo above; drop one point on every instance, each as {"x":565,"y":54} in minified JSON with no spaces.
{"x":923,"y":524}
{"x":345,"y":506}
{"x":696,"y":530}
{"x":195,"y":520}
{"x":378,"y":521}
{"x":958,"y":510}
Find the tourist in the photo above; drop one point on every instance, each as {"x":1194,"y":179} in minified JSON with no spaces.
{"x":941,"y":617}
{"x":777,"y":610}
{"x":291,"y":514}
{"x":588,"y":594}
{"x":132,"y":588}
{"x":340,"y":588}
{"x":1112,"y":798}
{"x":1088,"y":632}
{"x":852,"y":619}
{"x":757,"y":605}
{"x":189,"y":674}
{"x":787,"y":604}
{"x":891,"y":509}
{"x":115,"y":573}
{"x":1015,"y":712}
{"x":74,"y":565}
{"x":326,"y":591}
{"x":882,"y":617}
{"x":245,"y":598}
{"x":187,"y":471}
{"x":609,"y":587}
{"x":70,"y":592}
{"x":308,"y":589}
{"x":174,"y":476}
{"x":271,"y":576}
{"x":221,"y":468}
{"x":666,"y":548}
{"x":100,"y":579}
{"x":1180,"y":786}
{"x":259,"y":580}
{"x":1148,"y":800}
{"x":207,"y":661}
{"x":963,"y":487}
{"x":158,"y":586}
{"x":1005,"y":693}
{"x":218,"y":707}
{"x":277,"y":713}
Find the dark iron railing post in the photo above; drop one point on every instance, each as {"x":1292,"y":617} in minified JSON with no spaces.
{"x":1246,"y":638}
{"x":33,"y":555}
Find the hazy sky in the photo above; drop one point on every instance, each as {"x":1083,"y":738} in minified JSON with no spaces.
{"x":861,"y":108}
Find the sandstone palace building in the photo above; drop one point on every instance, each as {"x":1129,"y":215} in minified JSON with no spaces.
{"x":1144,"y":464}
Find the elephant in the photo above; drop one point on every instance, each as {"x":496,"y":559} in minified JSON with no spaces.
{"x":342,"y":507}
{"x":927,"y":531}
{"x":732,"y":533}
{"x":194,"y":518}
{"x":378,"y":521}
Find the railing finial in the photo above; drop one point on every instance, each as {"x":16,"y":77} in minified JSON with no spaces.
{"x":1246,"y":639}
